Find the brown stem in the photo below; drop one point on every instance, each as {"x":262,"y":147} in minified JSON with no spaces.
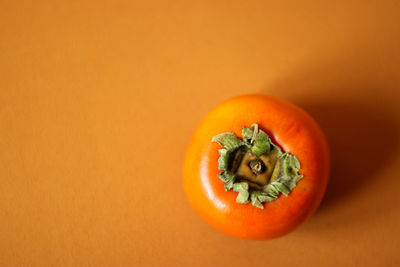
{"x":257,"y":166}
{"x":255,"y":131}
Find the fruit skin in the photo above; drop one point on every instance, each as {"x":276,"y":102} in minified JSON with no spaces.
{"x":288,"y":126}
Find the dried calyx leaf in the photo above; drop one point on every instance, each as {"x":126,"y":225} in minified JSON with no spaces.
{"x":284,"y":175}
{"x":261,"y":144}
{"x":228,"y":140}
{"x":223,"y":159}
{"x":243,"y":190}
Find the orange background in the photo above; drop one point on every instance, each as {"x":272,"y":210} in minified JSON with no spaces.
{"x":98,"y":100}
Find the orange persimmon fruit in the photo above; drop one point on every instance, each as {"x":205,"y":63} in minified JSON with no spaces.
{"x":290,"y":130}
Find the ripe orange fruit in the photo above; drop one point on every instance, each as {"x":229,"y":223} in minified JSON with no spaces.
{"x":276,"y":185}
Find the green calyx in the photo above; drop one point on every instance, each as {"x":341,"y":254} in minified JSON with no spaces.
{"x":255,"y":167}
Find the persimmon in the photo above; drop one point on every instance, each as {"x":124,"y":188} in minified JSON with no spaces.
{"x":256,"y":167}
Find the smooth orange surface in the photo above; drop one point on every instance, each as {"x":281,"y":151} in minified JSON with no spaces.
{"x":291,"y":128}
{"x":99,"y":100}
